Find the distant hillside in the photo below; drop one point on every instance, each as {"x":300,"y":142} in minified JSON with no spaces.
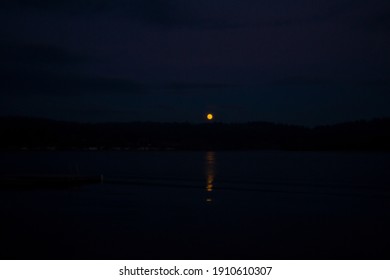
{"x":32,"y":133}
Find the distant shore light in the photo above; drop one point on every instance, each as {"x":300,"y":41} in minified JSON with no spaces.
{"x":210,"y":116}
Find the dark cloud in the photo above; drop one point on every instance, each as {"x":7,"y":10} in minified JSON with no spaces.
{"x":149,"y":10}
{"x":29,"y":53}
{"x":330,"y":82}
{"x":37,"y":69}
{"x":194,"y":86}
{"x":48,"y":70}
{"x":205,"y":13}
{"x":376,"y":22}
{"x":47,"y":83}
{"x":56,"y":5}
{"x":45,"y":69}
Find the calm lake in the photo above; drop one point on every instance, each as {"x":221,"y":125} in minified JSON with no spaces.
{"x":199,"y":205}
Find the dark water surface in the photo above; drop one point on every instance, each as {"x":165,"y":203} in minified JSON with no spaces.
{"x":199,"y":205}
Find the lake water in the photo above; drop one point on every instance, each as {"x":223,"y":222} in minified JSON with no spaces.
{"x":200,"y":205}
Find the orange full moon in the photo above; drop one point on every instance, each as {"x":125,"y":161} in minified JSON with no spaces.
{"x":210,"y":117}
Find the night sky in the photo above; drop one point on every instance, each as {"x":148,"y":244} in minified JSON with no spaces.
{"x":300,"y":62}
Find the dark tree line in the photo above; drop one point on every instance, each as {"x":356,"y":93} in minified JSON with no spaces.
{"x":34,"y":133}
